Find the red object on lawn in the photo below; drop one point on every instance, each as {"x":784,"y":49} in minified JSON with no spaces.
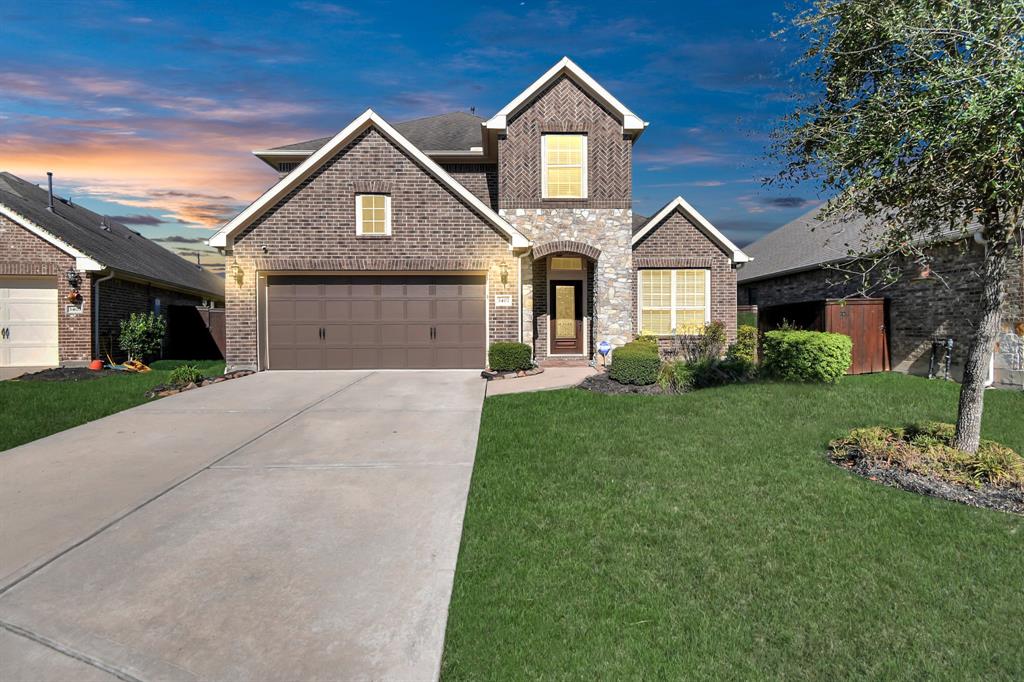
{"x":96,"y":365}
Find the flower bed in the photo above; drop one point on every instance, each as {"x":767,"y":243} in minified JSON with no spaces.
{"x":164,"y":390}
{"x":492,"y":375}
{"x":921,"y":459}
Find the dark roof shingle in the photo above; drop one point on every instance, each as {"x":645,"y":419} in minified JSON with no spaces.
{"x":455,"y":131}
{"x":117,"y":247}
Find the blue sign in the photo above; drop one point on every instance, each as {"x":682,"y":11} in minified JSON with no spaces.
{"x":604,"y":348}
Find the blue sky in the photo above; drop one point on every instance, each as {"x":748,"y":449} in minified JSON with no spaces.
{"x":148,"y":111}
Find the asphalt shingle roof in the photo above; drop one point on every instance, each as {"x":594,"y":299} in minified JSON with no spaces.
{"x":455,"y":131}
{"x":803,"y":244}
{"x":117,"y":247}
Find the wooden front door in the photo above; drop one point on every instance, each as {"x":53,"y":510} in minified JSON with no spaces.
{"x":566,"y":301}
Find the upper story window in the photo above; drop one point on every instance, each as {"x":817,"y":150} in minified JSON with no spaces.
{"x":564,"y":167}
{"x":373,"y":214}
{"x":674,"y":301}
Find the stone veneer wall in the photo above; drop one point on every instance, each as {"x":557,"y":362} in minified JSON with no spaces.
{"x":24,"y":254}
{"x":611,"y":284}
{"x":312,"y":229}
{"x":921,"y":309}
{"x":677,"y":243}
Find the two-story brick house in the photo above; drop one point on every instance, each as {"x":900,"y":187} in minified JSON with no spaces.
{"x":418,"y":244}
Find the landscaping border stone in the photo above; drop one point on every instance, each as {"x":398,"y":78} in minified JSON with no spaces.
{"x":163,"y":390}
{"x":498,"y":376}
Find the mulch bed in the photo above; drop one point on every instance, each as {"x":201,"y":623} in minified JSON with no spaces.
{"x":986,"y":496}
{"x":66,"y":374}
{"x":601,"y":383}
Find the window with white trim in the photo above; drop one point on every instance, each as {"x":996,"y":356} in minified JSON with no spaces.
{"x":373,"y":214}
{"x":674,"y":301}
{"x":564,"y":166}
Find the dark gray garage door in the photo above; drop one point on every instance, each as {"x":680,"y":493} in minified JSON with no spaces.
{"x":376,"y":322}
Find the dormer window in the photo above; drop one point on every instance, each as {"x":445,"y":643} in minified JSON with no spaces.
{"x":564,"y":167}
{"x":373,"y":215}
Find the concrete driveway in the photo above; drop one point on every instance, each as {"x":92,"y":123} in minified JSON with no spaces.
{"x":283,"y":526}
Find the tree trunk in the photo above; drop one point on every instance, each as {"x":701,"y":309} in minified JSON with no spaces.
{"x":972,"y":390}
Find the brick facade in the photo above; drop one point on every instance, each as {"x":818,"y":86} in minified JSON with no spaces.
{"x":921,"y":308}
{"x":564,"y":107}
{"x":120,"y":298}
{"x":677,"y":243}
{"x":24,"y":254}
{"x":313,"y":229}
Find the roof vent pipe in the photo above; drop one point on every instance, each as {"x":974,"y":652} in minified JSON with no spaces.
{"x":49,"y":181}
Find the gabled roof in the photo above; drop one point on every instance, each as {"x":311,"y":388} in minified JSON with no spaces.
{"x":368,"y":119}
{"x":456,"y":131}
{"x":98,"y":243}
{"x":631,"y":123}
{"x":702,"y":224}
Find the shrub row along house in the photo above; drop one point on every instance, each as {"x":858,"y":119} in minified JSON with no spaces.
{"x":808,"y":260}
{"x":68,"y":276}
{"x":418,"y":244}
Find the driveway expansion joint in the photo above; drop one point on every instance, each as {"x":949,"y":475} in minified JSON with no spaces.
{"x":67,"y":651}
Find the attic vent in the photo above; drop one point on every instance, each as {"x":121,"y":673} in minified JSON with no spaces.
{"x":288,"y":166}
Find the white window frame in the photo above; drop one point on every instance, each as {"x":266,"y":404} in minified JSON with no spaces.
{"x":359,"y":215}
{"x":544,"y":167}
{"x":672,"y":307}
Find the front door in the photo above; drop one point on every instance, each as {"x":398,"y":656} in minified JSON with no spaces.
{"x":566,"y":317}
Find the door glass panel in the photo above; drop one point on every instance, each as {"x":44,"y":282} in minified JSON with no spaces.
{"x":565,"y":312}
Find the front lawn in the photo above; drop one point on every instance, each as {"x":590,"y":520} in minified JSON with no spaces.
{"x":33,"y":409}
{"x":706,"y":536}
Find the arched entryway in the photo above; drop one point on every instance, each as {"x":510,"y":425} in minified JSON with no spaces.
{"x":563,"y":301}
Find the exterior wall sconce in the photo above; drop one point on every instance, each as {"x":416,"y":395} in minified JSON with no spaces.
{"x":238,"y":274}
{"x":504,"y":274}
{"x":74,"y":279}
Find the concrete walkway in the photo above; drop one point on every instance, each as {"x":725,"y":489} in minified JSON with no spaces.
{"x":550,"y":378}
{"x":283,"y":526}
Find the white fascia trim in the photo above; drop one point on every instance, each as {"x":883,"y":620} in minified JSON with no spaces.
{"x":695,"y":217}
{"x":365,"y":120}
{"x":631,"y":123}
{"x":280,"y":152}
{"x":83,"y":262}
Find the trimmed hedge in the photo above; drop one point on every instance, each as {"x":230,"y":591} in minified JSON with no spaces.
{"x":806,"y":356}
{"x":509,"y":356}
{"x":638,"y":363}
{"x":745,"y":347}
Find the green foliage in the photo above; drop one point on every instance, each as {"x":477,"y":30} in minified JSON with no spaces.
{"x":712,"y":372}
{"x":648,"y":339}
{"x":745,"y":347}
{"x":676,"y":376}
{"x":509,"y":356}
{"x":712,"y":341}
{"x":806,"y":356}
{"x":635,"y":363}
{"x":186,"y":374}
{"x":141,"y":334}
{"x":746,"y":319}
{"x":927,"y":449}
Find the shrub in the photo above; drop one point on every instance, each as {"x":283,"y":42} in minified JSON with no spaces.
{"x":635,"y":363}
{"x":647,"y":339}
{"x":745,"y":347}
{"x":711,"y":343}
{"x":186,"y":374}
{"x":806,"y":356}
{"x":708,"y":373}
{"x":509,"y":356}
{"x":927,"y":449}
{"x":676,"y":376}
{"x":141,"y":334}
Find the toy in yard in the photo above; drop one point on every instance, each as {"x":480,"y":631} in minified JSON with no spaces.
{"x":127,"y":366}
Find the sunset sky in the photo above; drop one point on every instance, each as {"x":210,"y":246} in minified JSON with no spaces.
{"x":148,"y":111}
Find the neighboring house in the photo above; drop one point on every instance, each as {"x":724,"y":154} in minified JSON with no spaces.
{"x":68,"y":276}
{"x":807,"y":260}
{"x":418,"y":244}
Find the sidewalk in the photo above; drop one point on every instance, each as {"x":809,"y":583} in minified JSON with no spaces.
{"x":550,"y":378}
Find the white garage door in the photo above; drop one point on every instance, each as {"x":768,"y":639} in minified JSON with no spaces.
{"x":28,"y":323}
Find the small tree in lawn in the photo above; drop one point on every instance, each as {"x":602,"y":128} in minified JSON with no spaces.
{"x":142,"y":334}
{"x":917,"y":122}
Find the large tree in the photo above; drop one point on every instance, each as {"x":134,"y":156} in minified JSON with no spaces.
{"x":915,"y":118}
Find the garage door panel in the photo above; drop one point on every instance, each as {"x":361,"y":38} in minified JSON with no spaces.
{"x":337,"y":358}
{"x":335,"y":309}
{"x":365,"y":311}
{"x":376,"y":321}
{"x":28,"y":310}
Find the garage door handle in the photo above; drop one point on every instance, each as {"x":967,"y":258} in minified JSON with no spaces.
{"x":323,"y":333}
{"x":7,"y":333}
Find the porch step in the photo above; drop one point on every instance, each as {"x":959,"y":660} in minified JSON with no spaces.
{"x":564,"y":362}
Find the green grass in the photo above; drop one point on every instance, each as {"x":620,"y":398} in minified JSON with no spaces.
{"x":705,"y":536}
{"x":33,"y":409}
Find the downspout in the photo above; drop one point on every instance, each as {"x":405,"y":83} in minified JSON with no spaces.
{"x":96,"y":312}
